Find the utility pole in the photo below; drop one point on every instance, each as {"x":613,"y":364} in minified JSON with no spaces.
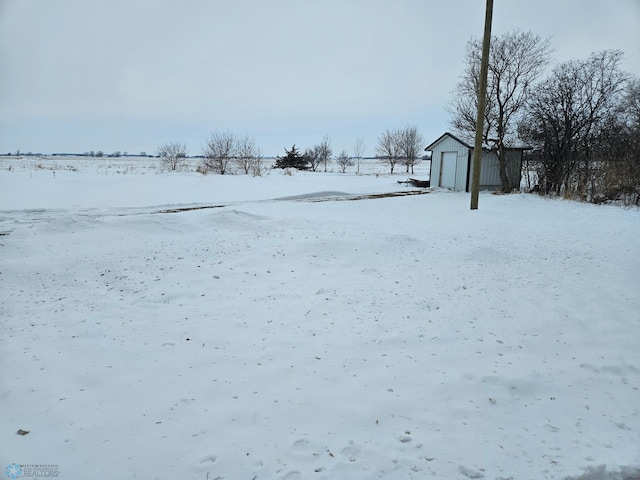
{"x":482,"y":100}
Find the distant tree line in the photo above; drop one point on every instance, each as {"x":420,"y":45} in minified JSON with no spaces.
{"x":401,"y":146}
{"x":312,"y":159}
{"x":224,"y":152}
{"x":92,"y":153}
{"x":580,"y":124}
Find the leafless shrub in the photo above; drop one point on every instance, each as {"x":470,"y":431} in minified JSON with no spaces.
{"x":257,"y":166}
{"x":249,"y":157}
{"x":219,"y":152}
{"x":172,"y":154}
{"x":344,"y":161}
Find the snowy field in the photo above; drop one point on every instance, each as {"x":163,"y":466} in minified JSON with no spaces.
{"x":164,"y":325}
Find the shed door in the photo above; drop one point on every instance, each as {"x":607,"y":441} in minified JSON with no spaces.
{"x":448,"y":169}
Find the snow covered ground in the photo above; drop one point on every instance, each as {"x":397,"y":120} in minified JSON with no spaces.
{"x":285,"y":327}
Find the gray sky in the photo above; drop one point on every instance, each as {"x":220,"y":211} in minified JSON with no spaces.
{"x":81,"y":75}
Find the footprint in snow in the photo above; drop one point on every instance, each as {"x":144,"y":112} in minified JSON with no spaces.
{"x":208,"y":460}
{"x":467,"y":472}
{"x":294,"y":475}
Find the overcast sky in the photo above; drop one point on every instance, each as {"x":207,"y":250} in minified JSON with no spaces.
{"x":128,"y":75}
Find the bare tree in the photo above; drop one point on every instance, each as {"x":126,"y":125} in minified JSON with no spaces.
{"x":324,"y":151}
{"x":257,"y":164}
{"x":516,"y":59}
{"x":358,"y":151}
{"x":313,"y":157}
{"x":410,"y":145}
{"x":172,"y":154}
{"x":388,"y":150}
{"x":219,"y":151}
{"x":344,"y":161}
{"x":247,"y":154}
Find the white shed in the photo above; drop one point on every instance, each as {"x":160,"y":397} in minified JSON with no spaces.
{"x":452,"y":164}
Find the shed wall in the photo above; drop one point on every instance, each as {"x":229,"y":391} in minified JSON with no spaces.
{"x":489,"y":171}
{"x":449,"y":144}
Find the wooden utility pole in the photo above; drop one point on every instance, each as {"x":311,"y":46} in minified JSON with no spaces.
{"x":482,"y":100}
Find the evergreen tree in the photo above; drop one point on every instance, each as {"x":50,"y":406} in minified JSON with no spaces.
{"x":292,"y":159}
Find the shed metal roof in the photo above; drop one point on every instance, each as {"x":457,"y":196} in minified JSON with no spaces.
{"x":447,"y":134}
{"x":468,"y":143}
